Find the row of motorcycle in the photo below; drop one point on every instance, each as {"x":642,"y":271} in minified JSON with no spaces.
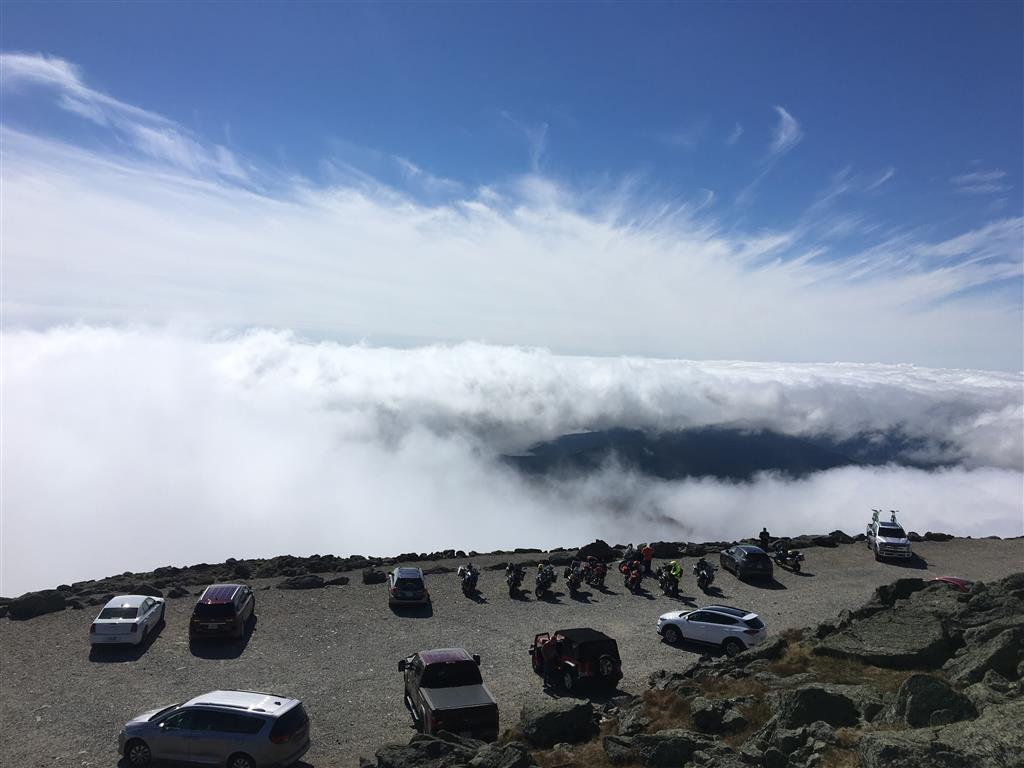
{"x":593,"y":573}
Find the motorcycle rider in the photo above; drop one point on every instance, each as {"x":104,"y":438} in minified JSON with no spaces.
{"x":467,"y":571}
{"x":647,"y":553}
{"x":675,"y":569}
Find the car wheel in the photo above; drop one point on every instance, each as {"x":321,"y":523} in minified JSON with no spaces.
{"x":671,"y":634}
{"x":569,"y":680}
{"x":241,"y":761}
{"x":732,"y":647}
{"x":136,"y":752}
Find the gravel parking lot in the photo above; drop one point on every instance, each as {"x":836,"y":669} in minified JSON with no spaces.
{"x":336,"y":648}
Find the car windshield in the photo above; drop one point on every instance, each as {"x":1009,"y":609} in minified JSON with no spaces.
{"x":893,"y":532}
{"x":451,"y":674}
{"x":408,"y":584}
{"x":754,"y":623}
{"x":214,"y":610}
{"x":162,"y":712}
{"x":119,"y":613}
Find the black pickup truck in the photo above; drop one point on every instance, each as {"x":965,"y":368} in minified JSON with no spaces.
{"x":444,"y":692}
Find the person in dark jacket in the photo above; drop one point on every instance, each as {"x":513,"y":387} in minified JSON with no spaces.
{"x":764,"y":536}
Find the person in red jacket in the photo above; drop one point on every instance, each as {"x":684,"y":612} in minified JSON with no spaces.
{"x":648,"y":555}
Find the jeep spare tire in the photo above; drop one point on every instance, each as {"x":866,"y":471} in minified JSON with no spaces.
{"x":606,"y":666}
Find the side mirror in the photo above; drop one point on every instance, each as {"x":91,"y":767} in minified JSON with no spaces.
{"x":476,"y":659}
{"x":402,"y":665}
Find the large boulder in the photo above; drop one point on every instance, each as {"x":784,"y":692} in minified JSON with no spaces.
{"x":669,"y":748}
{"x":1002,"y":653}
{"x":993,"y":740}
{"x":921,"y":697}
{"x":547,"y":722}
{"x":425,"y":751}
{"x":511,"y":755}
{"x":809,"y":703}
{"x":905,"y":637}
{"x":302,"y":582}
{"x":33,"y":604}
{"x":373,"y":576}
{"x":599,"y":549}
{"x":668,"y":550}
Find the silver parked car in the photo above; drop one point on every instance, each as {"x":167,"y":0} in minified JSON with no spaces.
{"x":237,"y":729}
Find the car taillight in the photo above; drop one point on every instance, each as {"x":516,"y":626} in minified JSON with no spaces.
{"x":134,"y":627}
{"x":280,"y":738}
{"x":92,"y":628}
{"x":751,"y":631}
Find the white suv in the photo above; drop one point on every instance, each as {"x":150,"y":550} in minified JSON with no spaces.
{"x":730,"y":629}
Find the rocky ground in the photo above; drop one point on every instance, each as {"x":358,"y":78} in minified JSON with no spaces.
{"x":336,"y":647}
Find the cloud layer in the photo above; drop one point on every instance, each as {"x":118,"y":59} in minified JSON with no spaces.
{"x":259,"y":444}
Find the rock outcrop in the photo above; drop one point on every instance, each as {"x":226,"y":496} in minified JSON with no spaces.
{"x":547,"y":722}
{"x":34,"y":604}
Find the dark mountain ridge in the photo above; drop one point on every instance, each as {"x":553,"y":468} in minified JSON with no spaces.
{"x":723,"y":453}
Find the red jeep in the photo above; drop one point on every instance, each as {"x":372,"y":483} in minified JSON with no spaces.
{"x":578,"y":655}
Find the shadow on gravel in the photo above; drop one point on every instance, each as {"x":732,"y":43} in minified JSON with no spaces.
{"x":915,"y":561}
{"x":413,"y":611}
{"x":763,"y":584}
{"x":117,"y":654}
{"x":521,"y":596}
{"x":224,"y":649}
{"x":605,"y":591}
{"x":477,"y":597}
{"x":684,"y":599}
{"x":581,"y":597}
{"x":552,"y":597}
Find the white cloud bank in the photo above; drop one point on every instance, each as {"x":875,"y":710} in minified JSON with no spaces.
{"x":130,"y":449}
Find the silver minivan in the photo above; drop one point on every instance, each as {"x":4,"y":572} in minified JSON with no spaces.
{"x":239,"y":729}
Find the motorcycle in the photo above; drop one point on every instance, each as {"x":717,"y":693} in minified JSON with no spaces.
{"x":469,"y":580}
{"x":594,"y":575}
{"x":634,"y":579}
{"x":669,"y":583}
{"x":788,"y":558}
{"x":545,"y":580}
{"x":705,"y":573}
{"x":573,"y":579}
{"x":514,"y":579}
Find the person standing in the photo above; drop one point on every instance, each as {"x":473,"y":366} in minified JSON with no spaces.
{"x":765,"y":537}
{"x":648,"y":554}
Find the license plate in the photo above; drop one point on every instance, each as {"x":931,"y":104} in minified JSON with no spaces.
{"x":211,"y":626}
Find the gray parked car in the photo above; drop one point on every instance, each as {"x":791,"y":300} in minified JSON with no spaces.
{"x":237,"y":729}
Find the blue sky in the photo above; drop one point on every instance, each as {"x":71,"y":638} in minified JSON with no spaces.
{"x":873,"y":136}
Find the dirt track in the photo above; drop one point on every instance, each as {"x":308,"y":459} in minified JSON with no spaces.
{"x":336,"y":649}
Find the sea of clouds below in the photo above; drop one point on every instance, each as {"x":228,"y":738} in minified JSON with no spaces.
{"x":126,"y":449}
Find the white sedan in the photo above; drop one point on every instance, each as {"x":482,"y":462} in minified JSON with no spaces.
{"x":127,"y":619}
{"x":731,"y":629}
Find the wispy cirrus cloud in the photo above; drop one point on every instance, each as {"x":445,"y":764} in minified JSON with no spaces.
{"x":536,"y":135}
{"x":734,"y":135}
{"x":122,"y":234}
{"x":151,"y":133}
{"x":883,"y":178}
{"x":981,"y":182}
{"x":788,"y":133}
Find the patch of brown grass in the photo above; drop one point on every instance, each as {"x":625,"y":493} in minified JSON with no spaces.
{"x":582,"y":756}
{"x":666,"y":710}
{"x":799,"y":658}
{"x":837,"y":757}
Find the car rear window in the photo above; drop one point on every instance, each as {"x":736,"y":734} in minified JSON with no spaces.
{"x":119,"y":613}
{"x":757,"y":557}
{"x":450,"y":675}
{"x":214,"y":610}
{"x":892,"y":532}
{"x":754,"y":623}
{"x":289,"y":722}
{"x":410,"y":584}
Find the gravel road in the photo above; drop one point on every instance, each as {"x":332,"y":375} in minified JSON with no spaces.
{"x":336,"y":648}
